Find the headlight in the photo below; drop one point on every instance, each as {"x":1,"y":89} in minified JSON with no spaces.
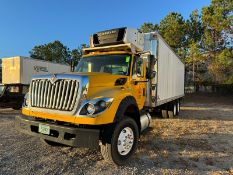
{"x":102,"y":104}
{"x":90,"y":108}
{"x":96,"y":106}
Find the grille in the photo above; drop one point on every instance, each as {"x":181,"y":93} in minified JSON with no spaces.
{"x":60,"y":95}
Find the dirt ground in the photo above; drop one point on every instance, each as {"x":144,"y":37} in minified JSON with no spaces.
{"x":198,"y":141}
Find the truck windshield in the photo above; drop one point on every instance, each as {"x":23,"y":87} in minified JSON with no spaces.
{"x":113,"y":64}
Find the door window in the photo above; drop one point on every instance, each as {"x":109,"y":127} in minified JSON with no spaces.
{"x":138,"y":68}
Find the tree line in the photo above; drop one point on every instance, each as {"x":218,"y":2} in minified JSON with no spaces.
{"x":58,"y":52}
{"x":204,"y":42}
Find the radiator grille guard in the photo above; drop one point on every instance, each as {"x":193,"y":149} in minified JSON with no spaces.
{"x":60,"y":95}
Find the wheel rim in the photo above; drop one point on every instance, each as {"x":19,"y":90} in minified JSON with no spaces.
{"x":178,"y":106}
{"x":174,"y":109}
{"x":125,"y":141}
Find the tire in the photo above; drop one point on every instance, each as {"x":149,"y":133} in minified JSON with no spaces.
{"x":164,"y":113}
{"x":178,"y":107}
{"x":17,"y":107}
{"x":172,"y":110}
{"x":115,"y":151}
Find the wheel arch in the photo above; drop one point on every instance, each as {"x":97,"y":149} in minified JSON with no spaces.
{"x":128,"y":107}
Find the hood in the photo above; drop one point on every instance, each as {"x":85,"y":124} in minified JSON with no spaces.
{"x":101,"y":79}
{"x":95,"y":79}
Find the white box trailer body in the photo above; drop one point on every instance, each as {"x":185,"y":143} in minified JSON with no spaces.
{"x":170,"y":74}
{"x":168,"y":83}
{"x":19,"y":70}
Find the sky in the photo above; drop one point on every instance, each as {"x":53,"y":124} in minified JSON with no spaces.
{"x":26,"y":23}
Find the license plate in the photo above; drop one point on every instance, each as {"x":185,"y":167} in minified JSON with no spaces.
{"x":44,"y":129}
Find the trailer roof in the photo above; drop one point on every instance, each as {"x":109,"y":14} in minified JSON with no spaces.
{"x":29,"y":58}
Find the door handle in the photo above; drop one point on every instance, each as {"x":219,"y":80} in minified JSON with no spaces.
{"x":144,"y":92}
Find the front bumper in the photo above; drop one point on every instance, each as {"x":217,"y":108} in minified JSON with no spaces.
{"x":67,"y":135}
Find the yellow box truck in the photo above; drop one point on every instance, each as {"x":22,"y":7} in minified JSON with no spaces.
{"x":105,"y":103}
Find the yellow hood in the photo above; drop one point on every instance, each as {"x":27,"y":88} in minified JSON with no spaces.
{"x":101,"y":79}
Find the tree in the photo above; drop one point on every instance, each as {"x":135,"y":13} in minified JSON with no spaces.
{"x":217,"y":22}
{"x":204,"y":41}
{"x":149,"y":27}
{"x":194,"y":28}
{"x":217,"y":40}
{"x":196,"y":69}
{"x":57,"y":52}
{"x":173,"y":30}
{"x":53,"y":51}
{"x":221,"y":68}
{"x":196,"y":66}
{"x":76,"y":54}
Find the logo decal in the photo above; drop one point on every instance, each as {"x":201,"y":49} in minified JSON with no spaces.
{"x":40,"y":68}
{"x":53,"y":79}
{"x":107,"y":32}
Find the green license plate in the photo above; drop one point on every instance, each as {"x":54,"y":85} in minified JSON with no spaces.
{"x":44,"y":129}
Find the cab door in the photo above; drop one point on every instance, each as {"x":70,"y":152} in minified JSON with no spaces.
{"x":138,"y":82}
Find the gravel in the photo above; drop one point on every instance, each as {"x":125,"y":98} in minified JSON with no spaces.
{"x":198,"y":141}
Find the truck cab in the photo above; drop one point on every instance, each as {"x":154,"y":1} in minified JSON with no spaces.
{"x":105,"y":102}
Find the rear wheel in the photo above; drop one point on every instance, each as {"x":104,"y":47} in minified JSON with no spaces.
{"x":172,"y":110}
{"x":122,"y":143}
{"x":178,"y":107}
{"x":164,"y":113}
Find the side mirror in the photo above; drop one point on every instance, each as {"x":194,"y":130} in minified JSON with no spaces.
{"x":150,"y":73}
{"x":139,"y":64}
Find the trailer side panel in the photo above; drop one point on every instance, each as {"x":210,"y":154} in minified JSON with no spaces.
{"x":11,"y":70}
{"x":32,"y":67}
{"x":19,"y":70}
{"x":170,"y":74}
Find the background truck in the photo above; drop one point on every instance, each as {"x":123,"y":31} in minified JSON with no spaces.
{"x":106,"y":102}
{"x":0,"y":71}
{"x":2,"y":87}
{"x":16,"y":76}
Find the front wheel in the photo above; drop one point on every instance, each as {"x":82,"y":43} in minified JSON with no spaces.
{"x":17,"y":106}
{"x":123,"y":142}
